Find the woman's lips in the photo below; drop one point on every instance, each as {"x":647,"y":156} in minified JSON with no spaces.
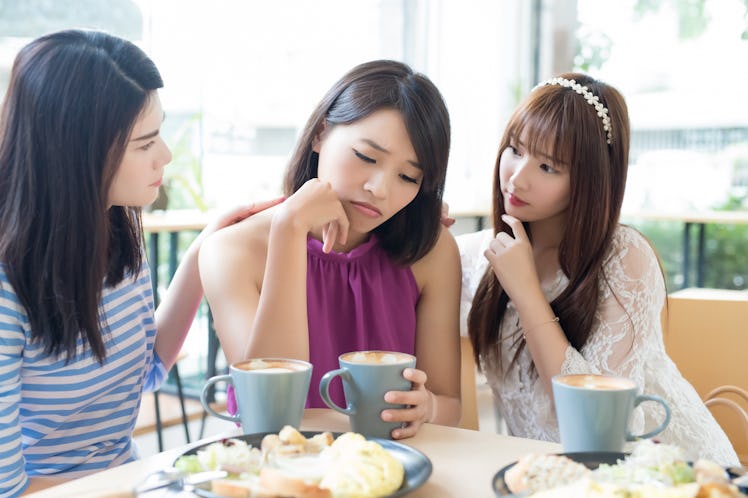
{"x":515,"y":201}
{"x":367,"y":209}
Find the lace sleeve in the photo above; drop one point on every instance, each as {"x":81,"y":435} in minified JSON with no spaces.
{"x":474,"y":264}
{"x":628,"y":316}
{"x":627,"y":331}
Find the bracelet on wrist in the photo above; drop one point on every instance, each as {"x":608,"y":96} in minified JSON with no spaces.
{"x":527,"y":331}
{"x":434,"y":409}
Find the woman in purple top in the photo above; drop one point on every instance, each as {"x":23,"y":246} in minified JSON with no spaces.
{"x":356,"y":257}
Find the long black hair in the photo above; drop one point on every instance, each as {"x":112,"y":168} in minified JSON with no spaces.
{"x":365,"y":89}
{"x":72,"y":101}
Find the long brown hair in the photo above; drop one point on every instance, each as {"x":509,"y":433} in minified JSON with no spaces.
{"x":365,"y":89}
{"x":72,"y":101}
{"x":556,"y":120}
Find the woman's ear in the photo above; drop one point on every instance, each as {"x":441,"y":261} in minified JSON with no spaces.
{"x":319,"y":136}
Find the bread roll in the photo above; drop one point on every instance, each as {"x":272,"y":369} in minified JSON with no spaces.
{"x":239,"y":488}
{"x":282,"y":483}
{"x":535,"y":472}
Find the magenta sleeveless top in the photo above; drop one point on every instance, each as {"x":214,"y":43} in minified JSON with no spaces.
{"x":356,"y":301}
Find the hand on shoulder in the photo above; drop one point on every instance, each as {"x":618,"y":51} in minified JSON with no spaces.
{"x":241,"y":245}
{"x":239,"y":213}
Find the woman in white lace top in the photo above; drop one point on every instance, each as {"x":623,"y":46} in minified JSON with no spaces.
{"x":563,"y":287}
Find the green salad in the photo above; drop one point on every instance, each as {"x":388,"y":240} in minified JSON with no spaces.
{"x":649,"y":463}
{"x":232,"y":455}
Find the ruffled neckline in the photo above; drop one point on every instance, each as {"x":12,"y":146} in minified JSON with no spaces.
{"x":314,"y":247}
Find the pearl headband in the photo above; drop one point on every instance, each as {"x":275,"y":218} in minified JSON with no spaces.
{"x":591,"y":99}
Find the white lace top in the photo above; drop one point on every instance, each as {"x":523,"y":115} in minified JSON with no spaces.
{"x":626,"y":341}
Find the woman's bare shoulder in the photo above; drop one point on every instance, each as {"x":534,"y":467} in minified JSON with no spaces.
{"x":445,"y":247}
{"x":443,"y":257}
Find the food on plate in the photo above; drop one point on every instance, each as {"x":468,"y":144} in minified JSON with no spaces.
{"x":651,"y":470}
{"x":288,"y":464}
{"x":232,"y":455}
{"x":536,"y":472}
{"x":588,"y":488}
{"x":289,"y":441}
{"x":370,"y":470}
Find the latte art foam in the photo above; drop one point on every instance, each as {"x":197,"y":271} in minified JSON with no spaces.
{"x":270,"y":366}
{"x":376,"y":357}
{"x":597,"y":382}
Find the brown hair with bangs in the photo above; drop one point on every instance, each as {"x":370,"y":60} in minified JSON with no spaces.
{"x":556,"y":120}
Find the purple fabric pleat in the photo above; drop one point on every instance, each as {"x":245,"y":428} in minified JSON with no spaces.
{"x":231,"y":406}
{"x":356,"y":301}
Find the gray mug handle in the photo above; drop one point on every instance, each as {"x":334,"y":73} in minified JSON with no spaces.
{"x":204,"y":398}
{"x":324,"y":389}
{"x":650,"y":397}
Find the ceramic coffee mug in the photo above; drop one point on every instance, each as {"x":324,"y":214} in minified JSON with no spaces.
{"x":367,"y":376}
{"x":270,"y":393}
{"x":593,"y":411}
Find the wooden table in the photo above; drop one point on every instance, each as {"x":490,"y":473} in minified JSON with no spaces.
{"x":464,"y":461}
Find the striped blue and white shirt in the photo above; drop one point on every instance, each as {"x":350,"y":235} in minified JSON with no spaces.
{"x":74,"y":418}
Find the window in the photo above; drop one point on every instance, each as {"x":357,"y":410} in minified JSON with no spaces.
{"x":680,"y":65}
{"x":241,"y":78}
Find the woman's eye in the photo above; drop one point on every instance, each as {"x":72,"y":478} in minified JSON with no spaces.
{"x":148,"y":145}
{"x":409,"y":179}
{"x":364,"y":158}
{"x":514,"y":150}
{"x":547,"y":168}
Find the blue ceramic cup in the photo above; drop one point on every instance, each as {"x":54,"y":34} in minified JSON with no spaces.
{"x":593,"y":411}
{"x":270,"y":393}
{"x":367,"y":376}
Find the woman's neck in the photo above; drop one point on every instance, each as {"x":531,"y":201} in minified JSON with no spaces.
{"x":546,"y":237}
{"x":547,"y":233}
{"x":354,"y":240}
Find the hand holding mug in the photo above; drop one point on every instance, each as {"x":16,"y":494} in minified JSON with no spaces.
{"x":419,"y":405}
{"x":367,"y":377}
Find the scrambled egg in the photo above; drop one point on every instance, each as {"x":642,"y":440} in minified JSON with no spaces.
{"x":361,"y":468}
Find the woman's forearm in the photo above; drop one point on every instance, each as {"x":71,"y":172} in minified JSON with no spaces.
{"x":280,"y":327}
{"x":446,"y":410}
{"x":178,"y":308}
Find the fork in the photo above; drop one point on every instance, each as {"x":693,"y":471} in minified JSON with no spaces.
{"x":175,"y":479}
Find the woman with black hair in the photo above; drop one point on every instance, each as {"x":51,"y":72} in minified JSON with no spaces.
{"x":355,"y":258}
{"x":80,"y":154}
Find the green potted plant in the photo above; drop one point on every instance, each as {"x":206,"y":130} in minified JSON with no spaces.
{"x":183,"y":178}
